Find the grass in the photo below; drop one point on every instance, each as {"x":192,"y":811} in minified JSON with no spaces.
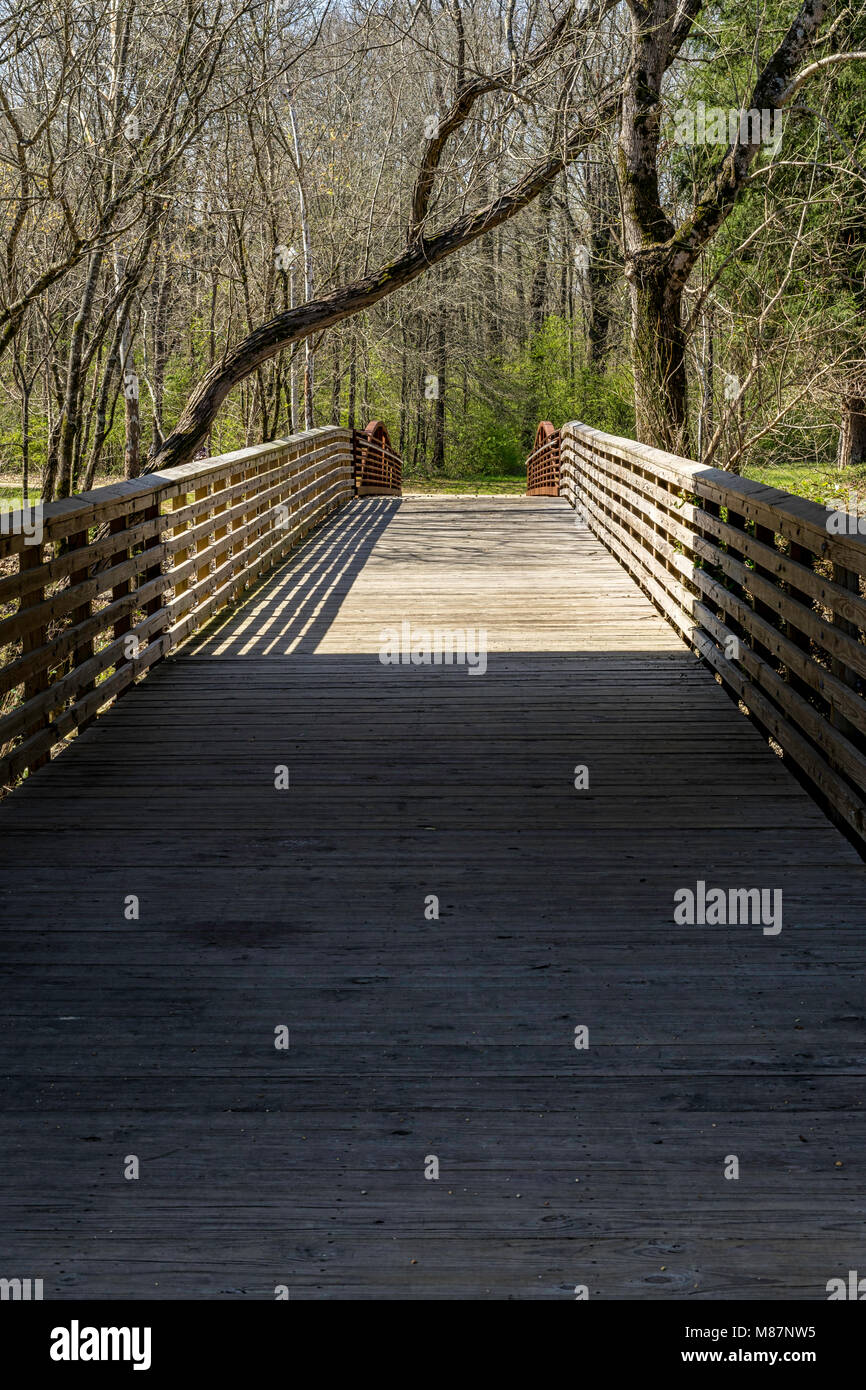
{"x":10,"y":494}
{"x":10,"y":490}
{"x":819,"y":482}
{"x":477,"y":486}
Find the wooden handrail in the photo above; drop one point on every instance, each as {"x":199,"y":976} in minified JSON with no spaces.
{"x":377,"y":465}
{"x":120,"y":576}
{"x":542,"y":465}
{"x":768,"y":588}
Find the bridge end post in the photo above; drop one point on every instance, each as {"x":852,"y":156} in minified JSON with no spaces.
{"x":543,"y":464}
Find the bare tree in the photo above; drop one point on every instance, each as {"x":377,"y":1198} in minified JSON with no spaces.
{"x":660,"y":253}
{"x":552,"y":56}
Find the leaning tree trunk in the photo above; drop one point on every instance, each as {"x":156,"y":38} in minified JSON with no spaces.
{"x":420,"y":253}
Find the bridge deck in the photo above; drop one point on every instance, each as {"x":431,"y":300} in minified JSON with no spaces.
{"x":411,"y":1037}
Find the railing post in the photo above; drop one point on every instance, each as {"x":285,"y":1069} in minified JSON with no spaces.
{"x":30,"y":557}
{"x":738,"y":521}
{"x":220,"y":531}
{"x":233,"y":552}
{"x":179,"y":557}
{"x":153,"y":571}
{"x":850,"y":580}
{"x":801,"y":639}
{"x":120,"y":590}
{"x":83,"y":651}
{"x":203,"y":543}
{"x":767,"y":536}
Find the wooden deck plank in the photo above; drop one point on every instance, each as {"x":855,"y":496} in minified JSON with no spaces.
{"x":412,"y":1037}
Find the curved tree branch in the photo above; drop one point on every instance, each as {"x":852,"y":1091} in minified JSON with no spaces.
{"x":417,"y":257}
{"x":470,"y":92}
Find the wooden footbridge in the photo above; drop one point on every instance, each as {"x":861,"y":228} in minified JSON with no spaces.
{"x":364,"y":947}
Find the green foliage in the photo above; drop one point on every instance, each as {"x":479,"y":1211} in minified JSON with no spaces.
{"x":489,"y":485}
{"x":491,"y":421}
{"x":558,"y":384}
{"x":483,"y":443}
{"x":10,"y":435}
{"x":820,"y":482}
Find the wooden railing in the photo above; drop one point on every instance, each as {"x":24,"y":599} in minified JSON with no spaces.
{"x":378,"y":467}
{"x":542,"y":466}
{"x":757,"y":583}
{"x":121,"y":575}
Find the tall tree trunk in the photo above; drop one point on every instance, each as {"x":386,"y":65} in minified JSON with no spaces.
{"x":602,"y":270}
{"x":294,"y":425}
{"x":336,"y":381}
{"x":353,"y":377}
{"x":404,"y":392}
{"x":161,"y":295}
{"x":597,"y":345}
{"x":70,"y":418}
{"x":659,"y":255}
{"x":538,"y":290}
{"x":520,"y":290}
{"x":309,"y":422}
{"x":439,"y":402}
{"x":705,"y":420}
{"x":129,"y":376}
{"x":25,"y":441}
{"x":852,"y":434}
{"x":658,"y":344}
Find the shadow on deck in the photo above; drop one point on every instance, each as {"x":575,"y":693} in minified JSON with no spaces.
{"x":414,"y":1035}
